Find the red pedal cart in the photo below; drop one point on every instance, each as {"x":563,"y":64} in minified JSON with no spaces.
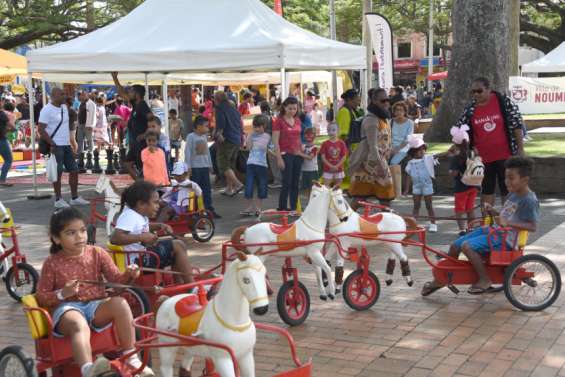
{"x":530,"y":282}
{"x":55,"y":354}
{"x":195,"y":220}
{"x":19,"y":276}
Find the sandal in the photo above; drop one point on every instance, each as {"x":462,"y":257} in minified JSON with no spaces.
{"x":247,"y":213}
{"x":480,"y":291}
{"x":430,"y":288}
{"x":236,"y":191}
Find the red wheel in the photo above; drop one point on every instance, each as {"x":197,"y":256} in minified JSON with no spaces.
{"x":359,"y":292}
{"x":293,"y":304}
{"x":137,"y":300}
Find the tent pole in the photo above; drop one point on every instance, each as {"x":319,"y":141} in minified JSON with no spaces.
{"x":43,"y":92}
{"x":284,"y":88}
{"x":364,"y":87}
{"x":146,"y":88}
{"x":31,"y":93}
{"x":301,"y":90}
{"x":166,"y":103}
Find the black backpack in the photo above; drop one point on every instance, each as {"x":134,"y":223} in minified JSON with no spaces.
{"x":354,"y":134}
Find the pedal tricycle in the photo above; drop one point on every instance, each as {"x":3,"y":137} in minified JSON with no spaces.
{"x":55,"y":354}
{"x":193,"y":219}
{"x":19,"y":276}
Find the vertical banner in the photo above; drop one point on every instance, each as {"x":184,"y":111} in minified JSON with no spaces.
{"x":381,"y":36}
{"x":278,"y":7}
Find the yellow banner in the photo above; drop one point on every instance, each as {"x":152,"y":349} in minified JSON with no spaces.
{"x":7,"y":78}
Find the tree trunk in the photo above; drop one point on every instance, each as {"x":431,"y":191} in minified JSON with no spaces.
{"x":186,"y":108}
{"x":90,"y":18}
{"x":514,"y":38}
{"x":481,"y":36}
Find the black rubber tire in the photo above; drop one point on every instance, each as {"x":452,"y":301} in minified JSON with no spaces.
{"x":348,"y":285}
{"x":31,"y":273}
{"x":509,"y":272}
{"x":140,"y":298}
{"x":282,"y":307}
{"x":206,"y":220}
{"x":91,"y":234}
{"x":27,"y":363}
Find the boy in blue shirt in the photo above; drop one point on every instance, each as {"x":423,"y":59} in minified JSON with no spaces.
{"x":520,"y":212}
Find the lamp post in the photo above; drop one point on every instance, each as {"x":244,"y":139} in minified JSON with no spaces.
{"x":431,"y":44}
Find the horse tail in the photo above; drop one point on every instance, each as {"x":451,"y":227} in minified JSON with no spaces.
{"x":411,"y":225}
{"x":236,"y":238}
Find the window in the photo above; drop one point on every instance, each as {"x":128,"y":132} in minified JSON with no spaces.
{"x":437,"y":50}
{"x":404,"y":50}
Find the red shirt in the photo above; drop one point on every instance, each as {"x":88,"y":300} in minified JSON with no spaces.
{"x":333,"y":151}
{"x":244,"y":108}
{"x":289,"y":139}
{"x":489,"y":133}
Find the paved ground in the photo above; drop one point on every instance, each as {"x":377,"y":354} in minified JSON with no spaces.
{"x":403,"y":335}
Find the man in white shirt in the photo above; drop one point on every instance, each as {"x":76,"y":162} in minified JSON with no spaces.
{"x":173,"y":102}
{"x":90,"y":120}
{"x":55,"y":129}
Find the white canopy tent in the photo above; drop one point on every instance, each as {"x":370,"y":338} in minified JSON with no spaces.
{"x":553,"y":62}
{"x":194,"y":36}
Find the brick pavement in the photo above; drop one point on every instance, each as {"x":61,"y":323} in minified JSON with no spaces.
{"x":403,"y":335}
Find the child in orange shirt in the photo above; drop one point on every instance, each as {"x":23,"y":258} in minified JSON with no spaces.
{"x":154,"y":161}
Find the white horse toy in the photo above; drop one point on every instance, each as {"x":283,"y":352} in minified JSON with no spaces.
{"x":112,"y":200}
{"x":371,"y":226}
{"x":225,"y":320}
{"x":310,"y":226}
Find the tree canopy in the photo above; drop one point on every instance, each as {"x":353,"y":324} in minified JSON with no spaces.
{"x":48,"y":21}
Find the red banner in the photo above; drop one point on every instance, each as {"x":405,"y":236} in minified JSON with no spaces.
{"x":278,"y":7}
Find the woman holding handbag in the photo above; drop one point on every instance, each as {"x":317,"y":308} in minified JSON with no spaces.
{"x":368,"y":165}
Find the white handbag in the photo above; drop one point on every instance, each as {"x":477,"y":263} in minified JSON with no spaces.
{"x":475,"y":171}
{"x":51,"y":169}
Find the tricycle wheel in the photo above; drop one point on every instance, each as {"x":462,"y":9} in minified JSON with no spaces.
{"x":532,"y":293}
{"x":203,"y":228}
{"x":359,"y":292}
{"x":21,"y":282}
{"x":137,"y":300}
{"x":293,"y":304}
{"x":14,"y":362}
{"x":91,"y":234}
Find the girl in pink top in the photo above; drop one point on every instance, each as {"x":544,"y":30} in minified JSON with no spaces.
{"x":288,"y":149}
{"x":77,"y":307}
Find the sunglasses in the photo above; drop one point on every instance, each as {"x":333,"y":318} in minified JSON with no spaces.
{"x":384,"y":100}
{"x":477,"y":91}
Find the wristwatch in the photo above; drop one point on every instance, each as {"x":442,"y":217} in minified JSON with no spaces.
{"x":60,"y":296}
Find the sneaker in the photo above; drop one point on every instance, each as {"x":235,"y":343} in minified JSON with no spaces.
{"x":60,"y":203}
{"x":78,"y":201}
{"x":432,"y":228}
{"x":100,"y":366}
{"x":134,"y":363}
{"x":274,"y":185}
{"x":215,"y":215}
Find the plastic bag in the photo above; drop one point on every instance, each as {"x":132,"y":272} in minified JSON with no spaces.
{"x":51,"y":169}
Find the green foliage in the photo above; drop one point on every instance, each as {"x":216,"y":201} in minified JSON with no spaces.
{"x":542,"y":23}
{"x":27,"y":21}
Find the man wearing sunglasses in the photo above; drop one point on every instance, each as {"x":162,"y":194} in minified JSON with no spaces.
{"x":496,"y":134}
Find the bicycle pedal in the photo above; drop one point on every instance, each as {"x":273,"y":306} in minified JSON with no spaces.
{"x":453,"y":289}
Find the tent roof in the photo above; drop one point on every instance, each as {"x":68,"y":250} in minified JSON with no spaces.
{"x":233,"y":78}
{"x":12,"y":64}
{"x":554,"y":61}
{"x":197,"y":36}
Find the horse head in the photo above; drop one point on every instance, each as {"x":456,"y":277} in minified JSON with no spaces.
{"x":338,"y":205}
{"x":250,"y":275}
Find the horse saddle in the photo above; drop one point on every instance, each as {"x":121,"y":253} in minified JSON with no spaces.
{"x":190,"y":312}
{"x":370,"y":224}
{"x":285,"y":234}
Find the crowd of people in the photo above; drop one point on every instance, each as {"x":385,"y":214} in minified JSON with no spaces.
{"x":373,"y":152}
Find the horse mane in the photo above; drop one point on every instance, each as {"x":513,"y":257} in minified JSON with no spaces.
{"x":236,"y":238}
{"x":411,"y":225}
